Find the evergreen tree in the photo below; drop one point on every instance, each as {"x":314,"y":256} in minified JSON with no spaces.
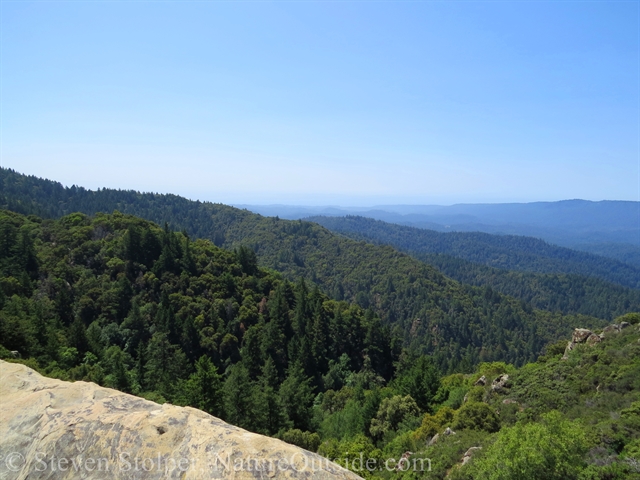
{"x":203,"y":389}
{"x":420,"y":379}
{"x":296,"y":396}
{"x":239,"y":398}
{"x":165,"y":364}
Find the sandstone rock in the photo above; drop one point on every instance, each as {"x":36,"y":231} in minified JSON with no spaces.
{"x":50,"y":429}
{"x":468,"y":454}
{"x":482,"y":381}
{"x":581,"y":334}
{"x":610,"y":329}
{"x":500,"y":382}
{"x":593,"y":339}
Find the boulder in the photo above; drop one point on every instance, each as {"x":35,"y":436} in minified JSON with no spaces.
{"x":500,"y":382}
{"x":611,"y":329}
{"x":51,"y":429}
{"x":580,"y":335}
{"x":482,"y":381}
{"x":434,"y":440}
{"x":509,"y":401}
{"x":593,"y":339}
{"x":468,"y":454}
{"x":448,"y":431}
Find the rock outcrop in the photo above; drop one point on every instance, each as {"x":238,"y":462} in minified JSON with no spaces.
{"x":500,"y":382}
{"x":482,"y":381}
{"x":468,"y":454}
{"x":580,"y":335}
{"x":583,"y":335}
{"x":51,"y":429}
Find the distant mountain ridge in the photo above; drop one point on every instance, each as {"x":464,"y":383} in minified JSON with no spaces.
{"x":610,"y":227}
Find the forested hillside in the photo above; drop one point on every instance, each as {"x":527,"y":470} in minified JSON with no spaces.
{"x":460,"y":325}
{"x":508,"y":252}
{"x":119,"y":301}
{"x":607,"y":228}
{"x":546,"y":291}
{"x":566,"y":293}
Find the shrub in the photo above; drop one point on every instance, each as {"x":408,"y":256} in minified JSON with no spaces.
{"x":476,"y":416}
{"x":551,"y":449}
{"x":307,"y":440}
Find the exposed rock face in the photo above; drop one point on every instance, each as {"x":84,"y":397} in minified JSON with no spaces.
{"x":593,"y":339}
{"x":610,"y":329}
{"x":580,"y":335}
{"x":50,"y":429}
{"x":482,"y":381}
{"x":468,"y":454}
{"x":500,"y":382}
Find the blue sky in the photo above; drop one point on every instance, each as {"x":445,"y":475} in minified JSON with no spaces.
{"x":351,"y":103}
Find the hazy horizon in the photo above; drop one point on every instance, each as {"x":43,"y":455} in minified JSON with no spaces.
{"x":325,"y":102}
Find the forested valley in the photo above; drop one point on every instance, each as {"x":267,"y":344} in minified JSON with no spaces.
{"x":513,"y":266}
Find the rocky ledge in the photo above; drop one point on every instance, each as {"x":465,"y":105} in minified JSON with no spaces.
{"x":585,"y":336}
{"x":51,"y":429}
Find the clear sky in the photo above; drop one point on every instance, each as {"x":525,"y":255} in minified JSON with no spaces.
{"x":330,"y":102}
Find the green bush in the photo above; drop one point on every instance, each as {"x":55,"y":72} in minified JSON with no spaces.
{"x":307,"y":440}
{"x":476,"y":416}
{"x":551,"y":449}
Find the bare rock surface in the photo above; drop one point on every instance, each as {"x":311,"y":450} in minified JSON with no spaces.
{"x":581,"y":334}
{"x":51,"y":429}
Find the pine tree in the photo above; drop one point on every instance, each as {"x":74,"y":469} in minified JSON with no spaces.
{"x":239,"y":398}
{"x":296,"y":396}
{"x":203,"y":389}
{"x":166,"y":363}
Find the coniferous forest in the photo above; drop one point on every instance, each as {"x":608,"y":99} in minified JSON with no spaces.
{"x":334,"y":344}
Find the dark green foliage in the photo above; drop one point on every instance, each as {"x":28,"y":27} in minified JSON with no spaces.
{"x":476,"y":416}
{"x":460,"y":326}
{"x":508,"y":252}
{"x":307,"y":440}
{"x":119,"y":301}
{"x":239,"y":399}
{"x":419,"y":378}
{"x":545,"y":276}
{"x":203,"y":389}
{"x":296,"y":396}
{"x":551,"y":449}
{"x":180,"y":321}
